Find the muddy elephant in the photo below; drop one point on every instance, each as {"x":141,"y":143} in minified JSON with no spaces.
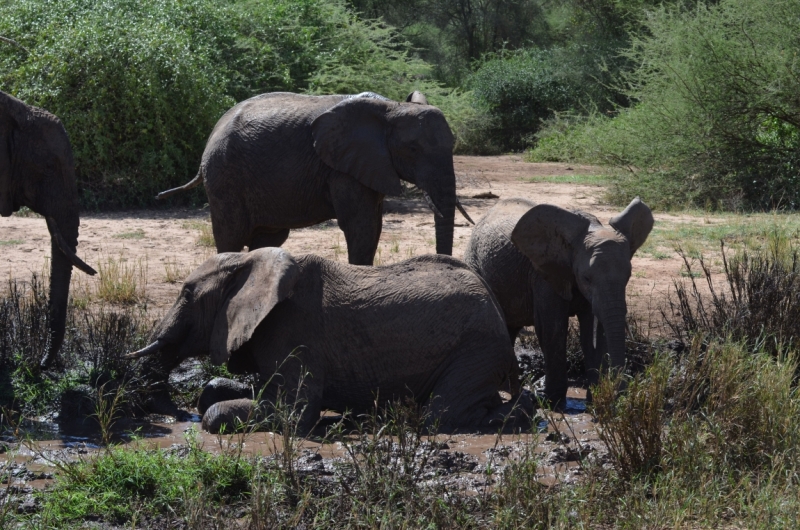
{"x":427,"y":329}
{"x":37,"y":171}
{"x":280,"y":161}
{"x":545,"y":264}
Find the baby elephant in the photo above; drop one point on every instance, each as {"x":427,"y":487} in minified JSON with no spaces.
{"x":545,"y":264}
{"x":327,"y":335}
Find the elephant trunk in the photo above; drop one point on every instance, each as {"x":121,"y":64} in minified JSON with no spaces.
{"x":440,"y":194}
{"x":60,"y":275}
{"x":611,"y":311}
{"x":444,"y":233}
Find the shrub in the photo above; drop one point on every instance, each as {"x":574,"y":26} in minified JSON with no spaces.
{"x":716,"y":120}
{"x":92,"y":352}
{"x":758,"y":304}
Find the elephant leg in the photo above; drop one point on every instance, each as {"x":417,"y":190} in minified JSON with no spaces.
{"x":551,"y":321}
{"x":293,"y":390}
{"x":513,"y":331}
{"x":264,"y":237}
{"x":359,"y":211}
{"x":230,"y":227}
{"x":467,"y":392}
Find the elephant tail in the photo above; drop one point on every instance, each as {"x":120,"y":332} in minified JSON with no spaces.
{"x":189,"y":185}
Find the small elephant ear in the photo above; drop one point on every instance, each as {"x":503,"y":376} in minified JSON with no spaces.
{"x":264,"y":278}
{"x":352,"y":138}
{"x":547,"y":235}
{"x":635,"y":223}
{"x":417,"y":97}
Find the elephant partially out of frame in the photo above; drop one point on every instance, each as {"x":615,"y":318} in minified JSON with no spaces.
{"x":280,"y":161}
{"x":37,"y":171}
{"x":545,"y":264}
{"x":427,"y":329}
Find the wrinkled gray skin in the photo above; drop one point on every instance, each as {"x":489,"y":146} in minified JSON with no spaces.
{"x":222,"y":389}
{"x":427,"y":328}
{"x":37,"y":171}
{"x":545,"y":264}
{"x":280,"y":161}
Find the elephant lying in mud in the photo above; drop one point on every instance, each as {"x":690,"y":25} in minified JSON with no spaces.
{"x":37,"y":171}
{"x":426,"y":328}
{"x":280,"y":161}
{"x":545,"y":264}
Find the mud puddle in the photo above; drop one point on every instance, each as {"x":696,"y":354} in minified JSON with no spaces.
{"x":561,"y":444}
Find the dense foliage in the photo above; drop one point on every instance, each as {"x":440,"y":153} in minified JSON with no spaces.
{"x":140,"y":84}
{"x":694,"y":98}
{"x":717,"y":119}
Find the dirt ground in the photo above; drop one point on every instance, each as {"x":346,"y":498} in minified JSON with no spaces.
{"x":162,"y":245}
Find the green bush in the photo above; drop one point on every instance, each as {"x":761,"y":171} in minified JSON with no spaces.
{"x":525,"y":88}
{"x":717,"y":121}
{"x":140,"y":84}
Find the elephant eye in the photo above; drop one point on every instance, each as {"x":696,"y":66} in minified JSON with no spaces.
{"x":586,"y":279}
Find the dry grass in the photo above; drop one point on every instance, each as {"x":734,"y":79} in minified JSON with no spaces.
{"x":175,"y":272}
{"x":205,"y":237}
{"x":121,"y":281}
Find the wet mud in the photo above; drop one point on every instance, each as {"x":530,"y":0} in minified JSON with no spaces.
{"x":561,"y":443}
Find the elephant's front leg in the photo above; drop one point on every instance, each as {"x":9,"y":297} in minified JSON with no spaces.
{"x":293,"y":389}
{"x":551,"y":321}
{"x":359,"y":211}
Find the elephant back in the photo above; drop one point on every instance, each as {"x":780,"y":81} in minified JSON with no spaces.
{"x":508,"y":272}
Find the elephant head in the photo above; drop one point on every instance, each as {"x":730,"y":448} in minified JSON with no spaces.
{"x":37,"y":171}
{"x":570,"y":249}
{"x":417,"y":97}
{"x":221,"y":304}
{"x":380,"y":142}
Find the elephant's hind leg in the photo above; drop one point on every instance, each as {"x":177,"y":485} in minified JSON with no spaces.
{"x":465,"y":393}
{"x":266,"y":237}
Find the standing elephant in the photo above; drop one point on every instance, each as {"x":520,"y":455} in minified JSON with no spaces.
{"x":37,"y":171}
{"x":280,"y":161}
{"x":545,"y":264}
{"x":427,"y":328}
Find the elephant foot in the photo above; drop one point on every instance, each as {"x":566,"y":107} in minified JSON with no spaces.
{"x":554,"y":402}
{"x":229,"y":416}
{"x":514,"y":415}
{"x":222,"y":389}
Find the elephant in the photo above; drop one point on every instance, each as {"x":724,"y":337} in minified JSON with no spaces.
{"x":222,"y":389}
{"x":280,"y":161}
{"x":324,"y":335}
{"x":545,"y":264}
{"x":37,"y":171}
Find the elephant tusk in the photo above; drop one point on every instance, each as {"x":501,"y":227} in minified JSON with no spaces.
{"x":150,"y":349}
{"x":463,"y":211}
{"x":64,"y":247}
{"x":432,"y":206}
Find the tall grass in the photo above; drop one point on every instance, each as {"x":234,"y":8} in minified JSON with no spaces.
{"x":92,"y":352}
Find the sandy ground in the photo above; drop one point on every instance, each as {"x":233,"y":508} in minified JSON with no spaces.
{"x":154,"y":241}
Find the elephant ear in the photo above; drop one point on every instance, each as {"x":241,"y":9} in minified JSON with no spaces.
{"x":264,"y":278}
{"x":635,"y":223}
{"x":547,"y":234}
{"x":13,"y":115}
{"x":352,"y":138}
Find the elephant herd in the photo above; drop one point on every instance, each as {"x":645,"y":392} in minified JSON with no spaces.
{"x":321,"y":335}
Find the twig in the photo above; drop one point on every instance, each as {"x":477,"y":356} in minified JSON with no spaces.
{"x":15,"y":43}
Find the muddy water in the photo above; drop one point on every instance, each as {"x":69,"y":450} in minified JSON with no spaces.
{"x":561,"y":442}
